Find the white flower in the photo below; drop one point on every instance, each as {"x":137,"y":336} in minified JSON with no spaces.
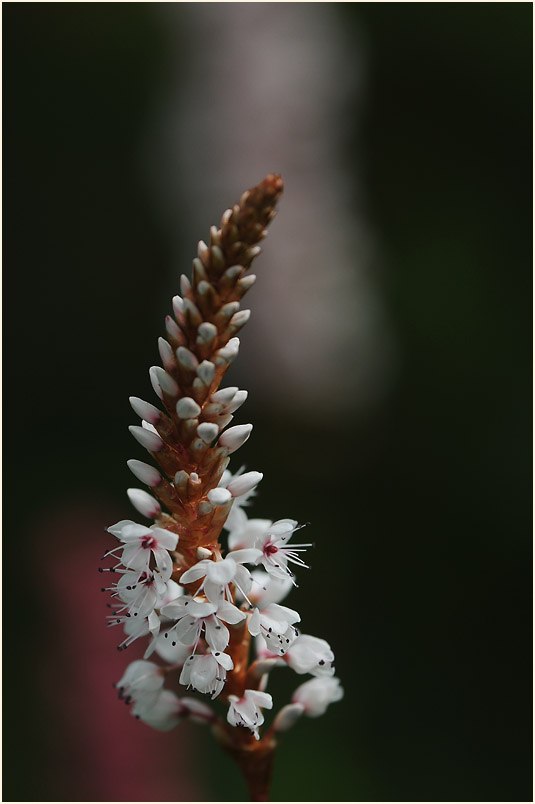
{"x":140,"y":542}
{"x":247,"y":711}
{"x":141,"y":682}
{"x":218,"y":574}
{"x":165,"y":713}
{"x":207,"y":673}
{"x":276,"y":553}
{"x":316,"y":695}
{"x":169,"y":710}
{"x":170,"y":651}
{"x":309,"y":654}
{"x":275,"y":624}
{"x":143,"y":594}
{"x":140,"y":591}
{"x":193,"y":616}
{"x":246,"y":532}
{"x":266,"y":589}
{"x":236,"y":515}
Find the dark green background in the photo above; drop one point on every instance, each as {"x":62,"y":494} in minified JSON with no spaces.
{"x":422,"y":517}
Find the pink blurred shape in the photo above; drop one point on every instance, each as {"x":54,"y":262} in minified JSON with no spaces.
{"x":103,"y":753}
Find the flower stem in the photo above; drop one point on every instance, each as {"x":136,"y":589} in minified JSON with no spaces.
{"x":255,"y":759}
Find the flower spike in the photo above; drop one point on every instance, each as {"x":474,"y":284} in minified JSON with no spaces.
{"x":213,"y":618}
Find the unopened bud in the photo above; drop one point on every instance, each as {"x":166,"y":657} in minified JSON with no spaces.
{"x":185,"y":285}
{"x":167,"y":355}
{"x":244,"y":483}
{"x":186,"y":358}
{"x":219,"y":496}
{"x":224,"y":395}
{"x":166,"y":382}
{"x":144,"y":472}
{"x":233,"y":438}
{"x":206,"y":371}
{"x":144,"y":503}
{"x":237,"y":401}
{"x":178,"y":306}
{"x":146,"y":438}
{"x":154,"y":382}
{"x":206,"y":333}
{"x":187,"y":408}
{"x":145,"y":410}
{"x":207,"y":431}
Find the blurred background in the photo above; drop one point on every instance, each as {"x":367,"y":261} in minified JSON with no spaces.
{"x":388,"y":363}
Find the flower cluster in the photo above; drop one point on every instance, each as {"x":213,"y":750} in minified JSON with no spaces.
{"x":200,"y":605}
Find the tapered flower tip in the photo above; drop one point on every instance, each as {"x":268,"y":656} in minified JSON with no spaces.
{"x":244,"y":483}
{"x":225,"y":395}
{"x":186,"y":358}
{"x":144,"y":503}
{"x":239,"y":399}
{"x":153,"y":374}
{"x":233,"y":438}
{"x":145,"y":410}
{"x":165,"y":381}
{"x":146,"y":437}
{"x":147,"y":474}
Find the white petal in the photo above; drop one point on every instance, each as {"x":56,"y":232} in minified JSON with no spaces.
{"x":262,"y":699}
{"x":316,"y":695}
{"x":203,"y":673}
{"x":221,"y":572}
{"x":288,"y":717}
{"x":166,"y":538}
{"x":217,"y":635}
{"x":164,"y":714}
{"x":224,"y":660}
{"x":196,"y":572}
{"x":282,"y":527}
{"x":117,"y":529}
{"x":248,"y":555}
{"x":229,"y":613}
{"x":254,"y":623}
{"x":196,"y":608}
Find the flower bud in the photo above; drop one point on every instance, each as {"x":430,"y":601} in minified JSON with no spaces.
{"x":233,"y":438}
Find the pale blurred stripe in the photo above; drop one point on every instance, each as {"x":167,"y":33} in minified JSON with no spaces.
{"x":270,"y":87}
